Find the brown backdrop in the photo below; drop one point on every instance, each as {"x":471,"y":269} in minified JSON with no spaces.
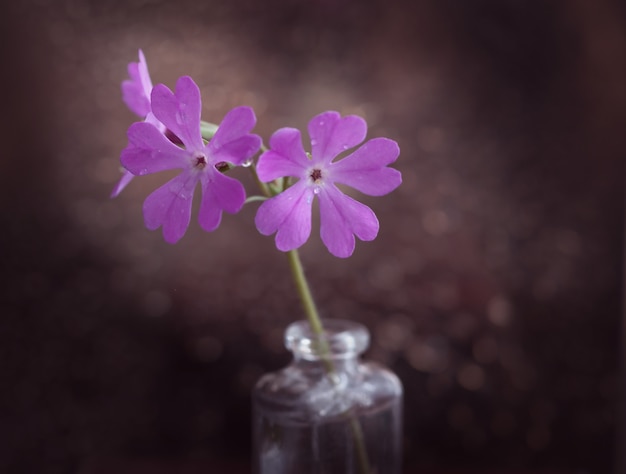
{"x":493,"y":289}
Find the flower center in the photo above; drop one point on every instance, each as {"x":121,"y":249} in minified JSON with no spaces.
{"x":200,"y":161}
{"x":316,"y":175}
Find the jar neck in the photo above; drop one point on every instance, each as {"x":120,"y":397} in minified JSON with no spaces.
{"x":341,"y":344}
{"x":321,"y":367}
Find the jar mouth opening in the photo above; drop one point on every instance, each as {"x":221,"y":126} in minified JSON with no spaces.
{"x":342,"y":339}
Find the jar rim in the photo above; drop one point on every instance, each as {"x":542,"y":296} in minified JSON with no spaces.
{"x":342,"y":339}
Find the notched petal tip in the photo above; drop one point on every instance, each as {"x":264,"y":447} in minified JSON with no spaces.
{"x":289,"y":215}
{"x":180,"y":111}
{"x":237,"y":121}
{"x":244,"y":112}
{"x":342,"y":218}
{"x":367,"y":170}
{"x":331,"y":135}
{"x":187,"y":85}
{"x":170,"y":207}
{"x":286,"y":156}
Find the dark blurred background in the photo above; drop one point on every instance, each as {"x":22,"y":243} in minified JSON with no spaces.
{"x":493,"y":289}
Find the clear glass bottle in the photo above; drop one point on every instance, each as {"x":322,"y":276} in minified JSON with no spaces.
{"x":327,"y":412}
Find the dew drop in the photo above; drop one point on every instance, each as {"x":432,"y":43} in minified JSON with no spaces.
{"x":345,"y":147}
{"x":316,"y":190}
{"x":247,"y":163}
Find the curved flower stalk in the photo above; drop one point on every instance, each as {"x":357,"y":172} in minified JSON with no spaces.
{"x":149,"y":151}
{"x":136,"y":95}
{"x":341,"y":217}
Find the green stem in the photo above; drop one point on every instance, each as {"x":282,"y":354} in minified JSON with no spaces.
{"x":264,"y":187}
{"x":359,"y":442}
{"x":304,"y":291}
{"x":310,"y":309}
{"x":207,"y":129}
{"x":250,"y":199}
{"x":315,"y":322}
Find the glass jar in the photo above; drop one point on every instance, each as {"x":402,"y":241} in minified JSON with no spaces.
{"x":327,"y":412}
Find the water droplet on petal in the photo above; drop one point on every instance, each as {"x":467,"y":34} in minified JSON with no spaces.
{"x":345,"y":147}
{"x":247,"y":163}
{"x":316,"y":190}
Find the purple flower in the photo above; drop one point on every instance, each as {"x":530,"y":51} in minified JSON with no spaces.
{"x":341,"y":217}
{"x":136,"y":94}
{"x":149,"y":151}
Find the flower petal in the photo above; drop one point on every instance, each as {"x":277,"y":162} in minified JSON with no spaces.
{"x":289,"y":215}
{"x":233,"y":141}
{"x":136,"y":90}
{"x":170,"y":207}
{"x":341,"y":218}
{"x":330,"y":135}
{"x":285,"y":158}
{"x":236,"y":151}
{"x":133,"y":94}
{"x":180,"y":112}
{"x":151,"y":119}
{"x":366,"y":169}
{"x":219,"y":193}
{"x":126,"y":178}
{"x":149,"y":151}
{"x":144,"y":75}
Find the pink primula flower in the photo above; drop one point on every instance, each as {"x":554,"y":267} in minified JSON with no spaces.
{"x":136,"y":95}
{"x":341,"y":217}
{"x":149,"y":151}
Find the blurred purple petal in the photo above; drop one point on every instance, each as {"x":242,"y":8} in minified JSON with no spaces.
{"x":365,"y":170}
{"x":148,"y":151}
{"x":136,"y":90}
{"x":151,"y":119}
{"x":133,"y":98}
{"x":180,"y":112}
{"x":219,"y":193}
{"x":288,"y":214}
{"x":170,"y":207}
{"x":286,"y":157}
{"x":341,"y":217}
{"x":330,"y":135}
{"x":144,"y":75}
{"x":126,"y":178}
